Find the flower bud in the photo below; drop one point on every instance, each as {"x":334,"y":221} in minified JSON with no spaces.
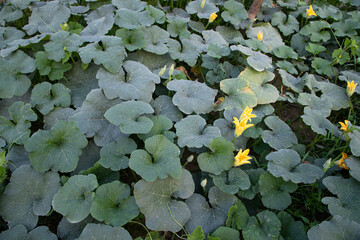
{"x":190,"y":158}
{"x":203,"y":183}
{"x":64,"y":27}
{"x":171,"y":70}
{"x":162,"y":71}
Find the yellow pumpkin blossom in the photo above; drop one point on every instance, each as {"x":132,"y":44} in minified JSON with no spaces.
{"x":246,"y":115}
{"x":260,"y":36}
{"x":341,"y":162}
{"x":310,"y":12}
{"x":240,"y":127}
{"x":242,"y":158}
{"x":213,"y":16}
{"x":344,"y":126}
{"x":350,"y":89}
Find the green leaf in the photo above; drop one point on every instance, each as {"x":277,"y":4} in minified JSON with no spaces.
{"x":129,"y":19}
{"x":319,"y":123}
{"x":238,"y":216}
{"x":238,"y":94}
{"x":235,"y":12}
{"x":329,"y":11}
{"x":133,"y":81}
{"x":197,"y":234}
{"x":60,"y":41}
{"x":322,"y":66}
{"x":209,"y":217}
{"x":195,"y":7}
{"x":285,"y":52}
{"x":287,"y":24}
{"x":91,"y":121}
{"x":161,"y":126}
{"x":163,"y":105}
{"x":314,"y":29}
{"x":17,"y":232}
{"x":134,"y":5}
{"x":110,"y":54}
{"x":133,"y":39}
{"x":264,"y":226}
{"x":219,"y":159}
{"x":103,"y":175}
{"x":231,"y":181}
{"x":354,"y":164}
{"x":46,"y":67}
{"x":296,"y":84}
{"x":254,"y":176}
{"x":9,"y":34}
{"x":74,"y":199}
{"x":256,"y":60}
{"x":99,"y":231}
{"x":338,"y":228}
{"x":80,"y":82}
{"x":315,"y":48}
{"x":157,"y":14}
{"x":178,"y":27}
{"x":321,"y":106}
{"x":286,"y":163}
{"x":186,"y":51}
{"x":348,"y":192}
{"x":156,"y":39}
{"x":58,"y":149}
{"x":68,"y":231}
{"x":192,"y":96}
{"x":113,"y":204}
{"x":291,"y":229}
{"x":226,"y":233}
{"x":46,"y":96}
{"x":129,"y":117}
{"x":275,"y":191}
{"x":265,"y":93}
{"x":17,"y":131}
{"x":191,"y":132}
{"x":165,"y":159}
{"x":346,"y":27}
{"x":281,"y":135}
{"x":355,"y":143}
{"x":334,"y":94}
{"x":12,"y":82}
{"x":341,"y":56}
{"x":160,"y":201}
{"x":47,"y":18}
{"x":271,"y":36}
{"x":27,"y":196}
{"x":114,"y":155}
{"x":289,"y":67}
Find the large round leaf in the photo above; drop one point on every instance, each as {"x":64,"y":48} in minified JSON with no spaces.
{"x":238,"y":216}
{"x":114,"y":154}
{"x":91,"y":121}
{"x":209,"y":217}
{"x":354,"y":164}
{"x":164,"y":161}
{"x":205,"y":12}
{"x":281,"y":135}
{"x":275,"y":191}
{"x":74,"y":199}
{"x":348,"y":194}
{"x":255,"y":59}
{"x":235,"y":12}
{"x":286,"y":163}
{"x":161,"y":126}
{"x":291,"y":229}
{"x":264,"y":226}
{"x":338,"y":228}
{"x":192,"y":96}
{"x":164,"y":106}
{"x":220,"y":158}
{"x":58,"y":149}
{"x":103,"y":232}
{"x":232,"y":181}
{"x":191,"y":132}
{"x":239,"y":95}
{"x":265,"y":93}
{"x":17,"y":131}
{"x":70,"y":231}
{"x":128,"y":116}
{"x":27,"y":196}
{"x":160,"y":201}
{"x":113,"y":204}
{"x":271,"y":36}
{"x":156,"y":39}
{"x":254,"y":176}
{"x":133,"y":81}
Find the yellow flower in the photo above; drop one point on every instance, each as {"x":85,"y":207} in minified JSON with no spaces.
{"x":202,"y":5}
{"x":310,"y":12}
{"x":344,"y":126}
{"x":246,"y":115}
{"x":242,"y":158}
{"x":260,"y":36}
{"x":341,"y":162}
{"x":240,"y":127}
{"x":213,"y":16}
{"x":350,"y":89}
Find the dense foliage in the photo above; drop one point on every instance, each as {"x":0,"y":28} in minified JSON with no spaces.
{"x":130,"y":119}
